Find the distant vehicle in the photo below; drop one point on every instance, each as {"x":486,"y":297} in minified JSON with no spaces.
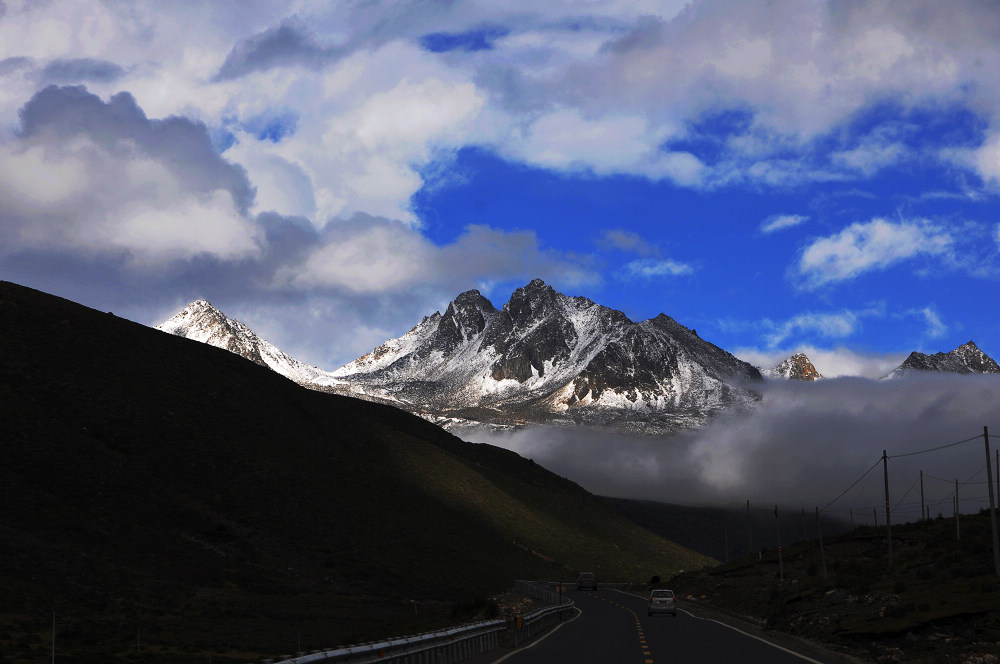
{"x":586,"y":580}
{"x":662,"y":601}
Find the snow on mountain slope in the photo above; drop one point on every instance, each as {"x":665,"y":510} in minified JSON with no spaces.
{"x":543,"y":357}
{"x":965,"y":359}
{"x":202,"y":322}
{"x":796,"y":367}
{"x":548,"y":357}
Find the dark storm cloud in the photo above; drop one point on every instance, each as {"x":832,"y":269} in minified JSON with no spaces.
{"x":283,"y":46}
{"x":181,"y":145}
{"x":81,"y":70}
{"x":804,"y":446}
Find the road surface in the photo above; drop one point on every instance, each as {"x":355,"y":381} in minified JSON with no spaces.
{"x":613,"y":628}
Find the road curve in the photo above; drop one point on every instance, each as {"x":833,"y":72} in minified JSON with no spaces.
{"x":613,"y":628}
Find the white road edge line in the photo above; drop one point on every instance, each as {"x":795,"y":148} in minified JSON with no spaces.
{"x":539,"y":640}
{"x":737,"y":629}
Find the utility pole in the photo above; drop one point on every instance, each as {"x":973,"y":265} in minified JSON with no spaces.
{"x":958,"y":530}
{"x":922,"y":509}
{"x":888,"y":522}
{"x":822,"y":552}
{"x":805,"y":538}
{"x":777,"y":525}
{"x":749,"y":534}
{"x":993,"y":510}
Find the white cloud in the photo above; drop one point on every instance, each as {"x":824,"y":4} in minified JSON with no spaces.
{"x":866,"y":246}
{"x":986,"y":159}
{"x":377,"y":255}
{"x":654,"y":268}
{"x":779,"y":222}
{"x":835,"y":362}
{"x":371,"y":259}
{"x":82,"y":197}
{"x":936,"y":328}
{"x":836,"y":325}
{"x":566,"y":139}
{"x":597,"y":87}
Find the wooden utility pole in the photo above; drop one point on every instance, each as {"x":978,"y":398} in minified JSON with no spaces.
{"x":749,"y":534}
{"x":958,"y":530}
{"x":993,"y":510}
{"x":777,"y":525}
{"x":822,"y":552}
{"x":922,"y":509}
{"x":888,"y":522}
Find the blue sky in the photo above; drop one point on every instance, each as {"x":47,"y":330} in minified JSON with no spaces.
{"x":780,"y":176}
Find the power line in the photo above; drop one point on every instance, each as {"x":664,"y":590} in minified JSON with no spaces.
{"x":935,"y":449}
{"x":853,"y":485}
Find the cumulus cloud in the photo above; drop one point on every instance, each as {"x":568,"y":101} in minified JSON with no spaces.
{"x":101,"y":178}
{"x":609,"y":90}
{"x":803,"y":446}
{"x":867,"y":246}
{"x":369,"y":255}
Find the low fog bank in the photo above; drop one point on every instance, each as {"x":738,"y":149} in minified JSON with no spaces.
{"x":802,"y":447}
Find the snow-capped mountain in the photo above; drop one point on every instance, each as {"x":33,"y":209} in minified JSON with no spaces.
{"x":543,"y":357}
{"x":796,"y":367}
{"x":201,"y":321}
{"x":966,"y":359}
{"x":547,"y":357}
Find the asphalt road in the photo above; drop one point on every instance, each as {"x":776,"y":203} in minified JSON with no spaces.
{"x":613,"y":628}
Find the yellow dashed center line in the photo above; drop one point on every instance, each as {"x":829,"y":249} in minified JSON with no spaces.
{"x":638,"y":628}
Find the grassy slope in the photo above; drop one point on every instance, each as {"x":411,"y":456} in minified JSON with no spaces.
{"x":165,"y":496}
{"x":938,"y":602}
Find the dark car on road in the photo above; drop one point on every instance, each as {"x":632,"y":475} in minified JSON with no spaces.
{"x":586,"y":581}
{"x":662,"y":601}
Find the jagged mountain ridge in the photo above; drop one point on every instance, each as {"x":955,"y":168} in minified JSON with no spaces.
{"x":543,"y":357}
{"x":966,"y":359}
{"x":549,"y":357}
{"x":796,"y":367}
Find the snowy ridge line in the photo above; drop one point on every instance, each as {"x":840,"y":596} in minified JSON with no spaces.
{"x":544,"y":357}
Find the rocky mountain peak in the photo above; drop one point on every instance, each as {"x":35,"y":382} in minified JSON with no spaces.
{"x":201,"y":321}
{"x":465,"y":319}
{"x":545,"y":356}
{"x":796,"y":367}
{"x":966,"y":359}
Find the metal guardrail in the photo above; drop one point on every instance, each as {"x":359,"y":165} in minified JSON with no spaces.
{"x":538,"y":621}
{"x":441,"y":647}
{"x":451,"y":645}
